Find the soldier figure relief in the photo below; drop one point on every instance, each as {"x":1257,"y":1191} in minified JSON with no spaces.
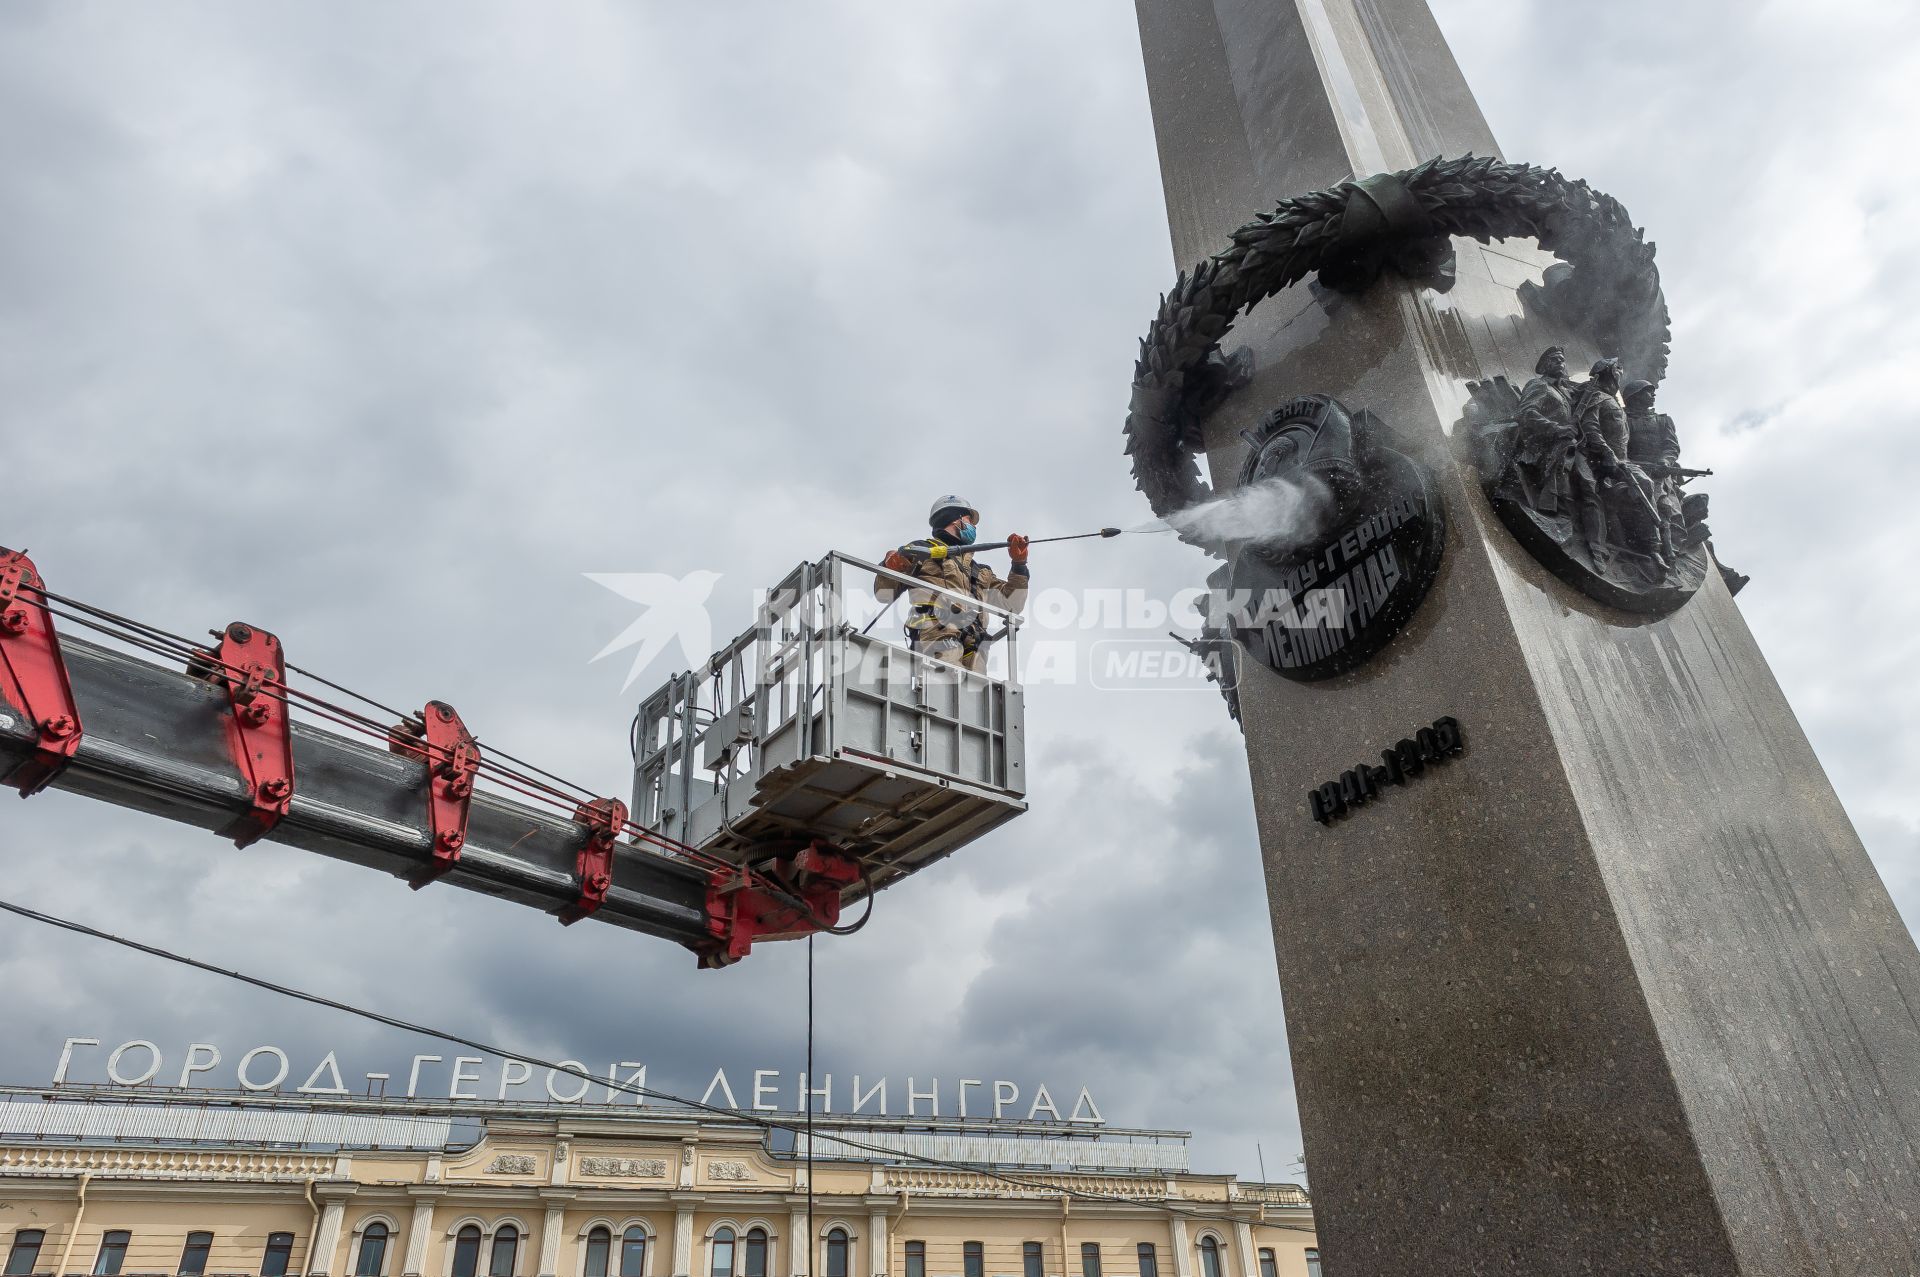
{"x":1588,"y":476}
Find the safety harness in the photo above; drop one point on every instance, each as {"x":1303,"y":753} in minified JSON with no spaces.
{"x":971,"y":622}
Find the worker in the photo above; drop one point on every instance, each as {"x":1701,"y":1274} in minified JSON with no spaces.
{"x":939,"y":625}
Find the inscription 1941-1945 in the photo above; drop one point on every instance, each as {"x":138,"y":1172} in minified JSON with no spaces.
{"x":1404,"y":760}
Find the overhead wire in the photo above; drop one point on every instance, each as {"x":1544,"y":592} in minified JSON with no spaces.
{"x":570,"y":1069}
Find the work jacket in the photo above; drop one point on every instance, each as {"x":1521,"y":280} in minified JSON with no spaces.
{"x":938,"y":619}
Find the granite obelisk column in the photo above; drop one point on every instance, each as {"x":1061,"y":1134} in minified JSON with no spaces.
{"x":1619,"y":990}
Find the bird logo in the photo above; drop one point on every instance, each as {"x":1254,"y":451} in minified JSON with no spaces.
{"x":676,"y":609}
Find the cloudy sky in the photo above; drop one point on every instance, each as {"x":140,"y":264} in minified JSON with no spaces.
{"x":382,"y":324}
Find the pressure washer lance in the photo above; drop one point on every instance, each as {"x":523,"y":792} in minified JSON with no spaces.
{"x":938,"y":550}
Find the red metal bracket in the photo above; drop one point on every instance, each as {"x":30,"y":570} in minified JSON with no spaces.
{"x":259,"y":732}
{"x":33,"y":675}
{"x":604,"y":818}
{"x":739,"y":912}
{"x":453,"y":760}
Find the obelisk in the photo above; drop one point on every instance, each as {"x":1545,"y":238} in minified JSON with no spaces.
{"x":1617,"y":991}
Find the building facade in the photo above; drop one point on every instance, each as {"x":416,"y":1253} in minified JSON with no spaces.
{"x":127,"y":1184}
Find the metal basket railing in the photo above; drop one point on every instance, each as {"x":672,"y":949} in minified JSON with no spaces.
{"x":806,"y":727}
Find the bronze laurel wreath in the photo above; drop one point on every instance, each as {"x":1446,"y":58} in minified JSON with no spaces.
{"x":1614,"y":288}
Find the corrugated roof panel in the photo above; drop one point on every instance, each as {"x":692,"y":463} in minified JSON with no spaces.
{"x":95,"y":1120}
{"x":987,"y":1150}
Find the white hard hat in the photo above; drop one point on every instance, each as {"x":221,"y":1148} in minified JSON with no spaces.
{"x":953,"y":507}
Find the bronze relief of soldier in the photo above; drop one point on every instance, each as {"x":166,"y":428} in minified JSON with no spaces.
{"x":1591,"y":484}
{"x":1548,"y":473}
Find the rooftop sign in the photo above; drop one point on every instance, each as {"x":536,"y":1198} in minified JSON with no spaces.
{"x":473,"y":1077}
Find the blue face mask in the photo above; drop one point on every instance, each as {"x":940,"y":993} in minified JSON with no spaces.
{"x":966,"y":534}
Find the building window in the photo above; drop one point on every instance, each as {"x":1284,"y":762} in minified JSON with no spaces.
{"x":26,"y":1251}
{"x":755,"y":1259}
{"x":1313,"y":1262}
{"x":373,"y":1251}
{"x":1267,"y":1267}
{"x":1209,"y":1257}
{"x":976,"y":1263}
{"x":599,"y":1243}
{"x":113,"y":1253}
{"x":1089,"y":1259}
{"x":916,"y":1259}
{"x":723,"y":1253}
{"x":1031,"y":1261}
{"x":506,"y":1249}
{"x":1149,"y":1260}
{"x":837,"y":1253}
{"x":466,"y":1251}
{"x":278,"y":1256}
{"x":193,"y":1259}
{"x":633,"y":1252}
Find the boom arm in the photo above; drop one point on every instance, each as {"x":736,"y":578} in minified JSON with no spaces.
{"x":154,"y":741}
{"x":174,"y":743}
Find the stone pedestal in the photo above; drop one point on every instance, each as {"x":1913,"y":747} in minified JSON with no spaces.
{"x":1618,"y":991}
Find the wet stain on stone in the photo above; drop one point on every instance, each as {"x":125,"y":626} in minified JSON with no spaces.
{"x":1444,"y":335}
